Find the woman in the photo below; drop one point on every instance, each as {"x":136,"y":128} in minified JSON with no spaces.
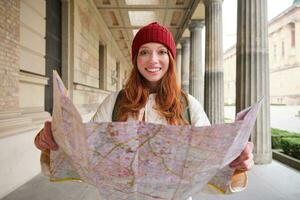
{"x":151,"y":94}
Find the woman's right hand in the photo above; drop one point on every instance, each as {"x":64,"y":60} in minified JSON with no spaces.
{"x":44,"y":140}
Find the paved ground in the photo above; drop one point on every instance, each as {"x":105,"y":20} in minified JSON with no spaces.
{"x":266,"y":182}
{"x":281,"y":117}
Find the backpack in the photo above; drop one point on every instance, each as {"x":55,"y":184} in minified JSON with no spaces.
{"x":184,"y":100}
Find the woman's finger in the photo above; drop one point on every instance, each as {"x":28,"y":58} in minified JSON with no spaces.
{"x":245,"y":155}
{"x":44,"y":139}
{"x":48,"y":137}
{"x":245,"y":166}
{"x":242,"y":163}
{"x":39,"y":143}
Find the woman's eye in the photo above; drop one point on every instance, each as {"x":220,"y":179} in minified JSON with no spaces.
{"x":143,"y":52}
{"x":163,"y":52}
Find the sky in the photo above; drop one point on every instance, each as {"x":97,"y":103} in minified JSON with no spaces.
{"x":275,"y":7}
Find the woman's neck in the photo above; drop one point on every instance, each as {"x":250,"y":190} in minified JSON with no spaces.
{"x":153,"y":87}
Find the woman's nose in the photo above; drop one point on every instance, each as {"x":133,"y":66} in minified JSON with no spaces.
{"x":154,"y":57}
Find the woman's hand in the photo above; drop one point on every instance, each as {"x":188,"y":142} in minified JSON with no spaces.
{"x":44,"y":140}
{"x":245,"y":160}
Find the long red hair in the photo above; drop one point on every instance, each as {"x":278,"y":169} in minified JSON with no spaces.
{"x":168,"y":98}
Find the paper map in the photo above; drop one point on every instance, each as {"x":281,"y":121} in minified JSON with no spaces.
{"x":144,"y":161}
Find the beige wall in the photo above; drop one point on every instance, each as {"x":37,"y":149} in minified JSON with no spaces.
{"x":32,"y":57}
{"x":284,"y":67}
{"x":19,"y":161}
{"x":22,"y":77}
{"x":285,"y":86}
{"x":9,"y":55}
{"x":229,"y":76}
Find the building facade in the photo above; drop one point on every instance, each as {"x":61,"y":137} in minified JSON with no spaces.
{"x":284,"y":60}
{"x":37,"y":37}
{"x":88,"y":43}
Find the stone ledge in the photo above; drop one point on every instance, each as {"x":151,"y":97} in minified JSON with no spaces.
{"x":9,"y":114}
{"x":86,"y":88}
{"x":286,"y":159}
{"x":19,"y":123}
{"x":32,"y":78}
{"x":38,"y":118}
{"x":9,"y":127}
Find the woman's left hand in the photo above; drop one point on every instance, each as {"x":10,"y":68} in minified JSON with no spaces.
{"x":245,"y":160}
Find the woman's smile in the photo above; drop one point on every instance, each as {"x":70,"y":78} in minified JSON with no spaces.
{"x":153,"y":70}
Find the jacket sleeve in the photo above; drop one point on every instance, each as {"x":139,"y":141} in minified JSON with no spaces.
{"x":198,"y":116}
{"x":104,"y":111}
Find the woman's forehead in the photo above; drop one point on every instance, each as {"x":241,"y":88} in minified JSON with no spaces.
{"x":153,"y":45}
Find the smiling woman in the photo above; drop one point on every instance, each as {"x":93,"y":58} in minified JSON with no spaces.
{"x":154,"y":76}
{"x":151,"y":93}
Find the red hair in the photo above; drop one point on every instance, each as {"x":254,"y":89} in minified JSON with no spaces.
{"x":168,"y":98}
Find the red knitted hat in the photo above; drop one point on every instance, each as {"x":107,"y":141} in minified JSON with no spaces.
{"x":153,"y":32}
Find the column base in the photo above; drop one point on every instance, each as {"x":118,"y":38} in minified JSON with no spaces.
{"x":263,"y":158}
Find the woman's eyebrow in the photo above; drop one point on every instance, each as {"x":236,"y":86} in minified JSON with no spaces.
{"x":161,"y":46}
{"x":144,"y":48}
{"x":158,"y":47}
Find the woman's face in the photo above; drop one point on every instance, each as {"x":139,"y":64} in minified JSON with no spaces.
{"x":153,"y":62}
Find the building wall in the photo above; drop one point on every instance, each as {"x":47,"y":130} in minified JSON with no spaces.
{"x":22,"y":77}
{"x":90,"y":32}
{"x":9,"y":55}
{"x":285,"y":86}
{"x":19,"y":159}
{"x":284,"y":61}
{"x":285,"y":57}
{"x":32,"y":57}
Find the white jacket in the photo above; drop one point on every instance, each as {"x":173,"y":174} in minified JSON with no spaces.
{"x":104,"y":112}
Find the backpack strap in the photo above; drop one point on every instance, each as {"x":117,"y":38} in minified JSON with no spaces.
{"x":117,"y":106}
{"x":186,"y":109}
{"x":184,"y":101}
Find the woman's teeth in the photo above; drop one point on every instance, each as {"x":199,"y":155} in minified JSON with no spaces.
{"x":153,"y":69}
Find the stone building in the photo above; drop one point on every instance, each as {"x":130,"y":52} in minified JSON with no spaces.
{"x":284,"y":56}
{"x":88,"y":43}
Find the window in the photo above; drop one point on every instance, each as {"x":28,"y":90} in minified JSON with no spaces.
{"x":115,"y":76}
{"x":293,"y":36}
{"x":101,"y":66}
{"x":53,"y":47}
{"x":274,"y":52}
{"x":118,"y":75}
{"x":282,"y":49}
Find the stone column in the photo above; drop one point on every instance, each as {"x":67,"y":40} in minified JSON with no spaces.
{"x":252,"y":71}
{"x":196,"y":84}
{"x":185,"y":63}
{"x":178,"y":65}
{"x":214,"y":83}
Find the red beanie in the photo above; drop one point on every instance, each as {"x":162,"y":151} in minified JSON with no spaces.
{"x":153,"y":32}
